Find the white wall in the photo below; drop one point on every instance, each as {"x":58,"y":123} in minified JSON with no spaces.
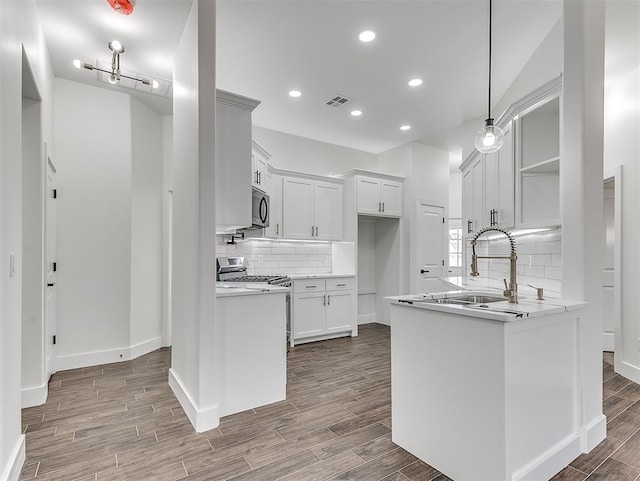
{"x":290,"y":152}
{"x":455,"y":195}
{"x":109,"y":234}
{"x":93,"y":155}
{"x":146,"y":225}
{"x":622,"y":148}
{"x":193,"y":374}
{"x":20,"y":28}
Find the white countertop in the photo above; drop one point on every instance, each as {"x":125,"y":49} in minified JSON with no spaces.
{"x":526,"y":307}
{"x":248,"y":289}
{"x":318,"y":276}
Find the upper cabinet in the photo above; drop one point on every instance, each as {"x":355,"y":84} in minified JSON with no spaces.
{"x":259,"y":161}
{"x":233,"y":160}
{"x":377,"y":196}
{"x":312,"y":208}
{"x":518,"y":186}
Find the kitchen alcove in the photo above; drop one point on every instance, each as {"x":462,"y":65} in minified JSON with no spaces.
{"x":378,"y":267}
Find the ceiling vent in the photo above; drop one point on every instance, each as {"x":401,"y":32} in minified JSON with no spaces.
{"x":338,"y":101}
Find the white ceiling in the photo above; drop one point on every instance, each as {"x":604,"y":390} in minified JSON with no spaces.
{"x":267,"y":47}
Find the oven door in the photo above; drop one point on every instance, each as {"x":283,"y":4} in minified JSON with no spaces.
{"x":259,"y":209}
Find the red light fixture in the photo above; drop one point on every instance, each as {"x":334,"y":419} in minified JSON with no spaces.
{"x":125,"y":7}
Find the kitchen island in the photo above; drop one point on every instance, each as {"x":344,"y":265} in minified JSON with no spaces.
{"x":486,"y":390}
{"x":251,"y":346}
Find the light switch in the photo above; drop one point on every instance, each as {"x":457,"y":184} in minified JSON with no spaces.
{"x":12,"y":265}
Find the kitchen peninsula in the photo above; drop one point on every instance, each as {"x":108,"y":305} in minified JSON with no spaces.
{"x":484,"y":389}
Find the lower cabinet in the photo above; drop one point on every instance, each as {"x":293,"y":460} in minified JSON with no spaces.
{"x":323,"y":308}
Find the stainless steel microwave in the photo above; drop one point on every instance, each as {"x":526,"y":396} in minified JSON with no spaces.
{"x":259,"y":209}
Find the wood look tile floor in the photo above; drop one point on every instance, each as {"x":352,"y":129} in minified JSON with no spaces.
{"x":122,"y":422}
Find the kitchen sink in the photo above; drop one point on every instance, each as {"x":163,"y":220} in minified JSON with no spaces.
{"x":465,"y":300}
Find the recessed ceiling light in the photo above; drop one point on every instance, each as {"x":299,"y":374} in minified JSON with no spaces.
{"x":77,"y":63}
{"x":155,"y":84}
{"x":367,"y":36}
{"x":415,"y":82}
{"x":356,"y":113}
{"x":405,"y":127}
{"x":295,"y":93}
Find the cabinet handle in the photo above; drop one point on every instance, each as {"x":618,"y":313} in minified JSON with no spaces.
{"x":278,"y":229}
{"x":423,"y":271}
{"x":379,"y":206}
{"x":469,"y":227}
{"x":311,"y":231}
{"x":383,"y":207}
{"x":324,"y":300}
{"x":311,"y":287}
{"x":316,"y":231}
{"x":329,"y":300}
{"x":341,"y":285}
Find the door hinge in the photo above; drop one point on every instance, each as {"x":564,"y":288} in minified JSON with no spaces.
{"x":55,"y":266}
{"x":54,"y":193}
{"x":54,"y":338}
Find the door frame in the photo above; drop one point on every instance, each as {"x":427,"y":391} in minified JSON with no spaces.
{"x":413,"y":277}
{"x":50,"y":328}
{"x":615,"y":175}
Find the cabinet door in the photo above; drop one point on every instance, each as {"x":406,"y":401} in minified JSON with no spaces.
{"x":491,"y":190}
{"x":274,"y":183}
{"x":297,"y":208}
{"x":506,"y":182}
{"x":259,"y":173}
{"x":472,"y":198}
{"x":391,"y":198}
{"x":338,"y":313}
{"x":327,"y":210}
{"x":368,"y":196}
{"x":308,"y":315}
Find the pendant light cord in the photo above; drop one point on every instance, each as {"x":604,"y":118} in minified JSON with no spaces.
{"x":490,"y":23}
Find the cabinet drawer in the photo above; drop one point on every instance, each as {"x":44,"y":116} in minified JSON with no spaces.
{"x":308,"y":285}
{"x":341,"y":284}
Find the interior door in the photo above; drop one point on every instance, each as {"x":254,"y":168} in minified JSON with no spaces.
{"x":51,"y":268}
{"x":430,"y":244}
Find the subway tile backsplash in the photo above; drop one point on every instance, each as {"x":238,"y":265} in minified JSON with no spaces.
{"x":539,"y":259}
{"x":265,"y":257}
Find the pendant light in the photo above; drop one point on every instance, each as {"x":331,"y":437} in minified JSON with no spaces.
{"x":490,"y":137}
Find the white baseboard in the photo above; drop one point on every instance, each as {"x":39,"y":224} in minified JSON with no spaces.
{"x":608,"y":341}
{"x":552,"y":461}
{"x":594,"y":433}
{"x":12,"y":470}
{"x":35,"y":396}
{"x":627,"y":370}
{"x":201,"y":419}
{"x":144,"y":347}
{"x":366,"y":318}
{"x":94,"y":358}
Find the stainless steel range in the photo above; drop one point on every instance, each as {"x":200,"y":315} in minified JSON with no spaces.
{"x":234,"y":270}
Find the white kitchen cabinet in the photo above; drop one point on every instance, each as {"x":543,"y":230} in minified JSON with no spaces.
{"x":323,"y":308}
{"x":259,"y":162}
{"x":499,"y":185}
{"x":473,"y":196}
{"x":233,"y":166}
{"x":274,"y":187}
{"x":379,"y":196}
{"x":312,"y":208}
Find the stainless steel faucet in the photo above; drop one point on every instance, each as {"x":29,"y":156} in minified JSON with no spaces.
{"x":511,"y":290}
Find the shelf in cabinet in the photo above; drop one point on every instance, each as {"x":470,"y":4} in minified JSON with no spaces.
{"x":549,"y":166}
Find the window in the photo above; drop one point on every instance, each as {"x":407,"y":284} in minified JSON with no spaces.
{"x":455,"y":242}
